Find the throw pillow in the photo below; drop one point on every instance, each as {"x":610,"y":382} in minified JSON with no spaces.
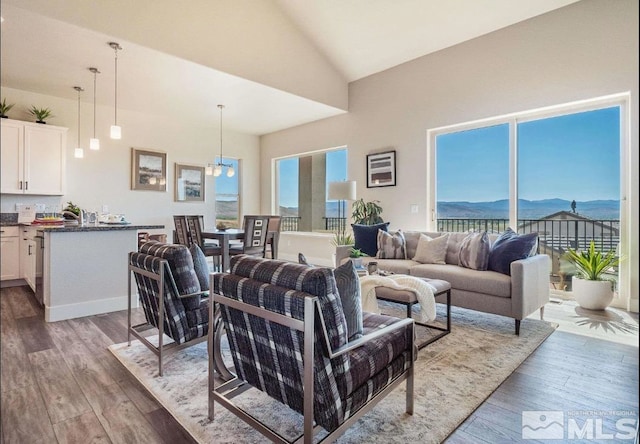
{"x":474,"y":251}
{"x":349,"y":290}
{"x":391,"y":246}
{"x":509,"y":247}
{"x":366,"y":237}
{"x":200,"y":266}
{"x":432,"y":250}
{"x":348,"y":286}
{"x":303,"y":260}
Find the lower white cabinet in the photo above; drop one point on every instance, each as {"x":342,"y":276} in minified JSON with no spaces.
{"x":10,"y":253}
{"x":28,"y":245}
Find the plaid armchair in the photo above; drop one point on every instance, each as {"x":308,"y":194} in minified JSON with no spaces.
{"x":288,"y":337}
{"x":169,"y":290}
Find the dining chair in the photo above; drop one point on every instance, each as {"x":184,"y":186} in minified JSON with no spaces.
{"x":195,"y":226}
{"x":255,"y":236}
{"x":273,"y":236}
{"x":181,"y":233}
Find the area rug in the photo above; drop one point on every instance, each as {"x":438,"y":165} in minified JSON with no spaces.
{"x":454,"y":375}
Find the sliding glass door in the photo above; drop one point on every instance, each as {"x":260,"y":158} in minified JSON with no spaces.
{"x":557,"y":173}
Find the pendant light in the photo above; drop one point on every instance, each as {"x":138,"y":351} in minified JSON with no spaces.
{"x":217,"y":169}
{"x":94,"y":143}
{"x":78,"y":152}
{"x":116,"y":131}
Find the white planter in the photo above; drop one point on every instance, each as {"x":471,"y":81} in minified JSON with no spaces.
{"x":592,"y":295}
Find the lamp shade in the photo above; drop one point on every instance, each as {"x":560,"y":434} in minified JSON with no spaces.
{"x":345,"y":190}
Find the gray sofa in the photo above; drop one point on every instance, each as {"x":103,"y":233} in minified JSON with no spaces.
{"x":516,"y":296}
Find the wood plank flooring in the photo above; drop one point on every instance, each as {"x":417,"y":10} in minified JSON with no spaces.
{"x":59,"y":383}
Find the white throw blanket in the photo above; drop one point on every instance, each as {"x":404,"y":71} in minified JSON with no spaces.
{"x":423,"y":291}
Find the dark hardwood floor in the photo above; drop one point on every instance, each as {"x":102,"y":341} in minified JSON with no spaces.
{"x":59,"y":383}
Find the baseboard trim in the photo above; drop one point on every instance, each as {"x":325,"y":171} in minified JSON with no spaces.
{"x":87,"y":308}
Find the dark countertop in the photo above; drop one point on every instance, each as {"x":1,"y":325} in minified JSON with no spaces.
{"x":78,"y":228}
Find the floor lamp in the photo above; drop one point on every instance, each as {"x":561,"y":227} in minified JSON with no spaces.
{"x":342,"y":191}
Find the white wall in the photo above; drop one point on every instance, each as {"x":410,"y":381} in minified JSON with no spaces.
{"x":585,"y":50}
{"x":104,"y":176}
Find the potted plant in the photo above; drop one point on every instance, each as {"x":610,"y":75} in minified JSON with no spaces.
{"x":591,"y":290}
{"x":4,"y":108}
{"x":40,"y":114}
{"x":356,"y":256}
{"x":366,"y":213}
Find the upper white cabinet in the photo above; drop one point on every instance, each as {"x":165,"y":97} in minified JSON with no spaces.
{"x":33,"y":158}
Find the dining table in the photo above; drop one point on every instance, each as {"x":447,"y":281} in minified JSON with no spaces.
{"x":223,"y":237}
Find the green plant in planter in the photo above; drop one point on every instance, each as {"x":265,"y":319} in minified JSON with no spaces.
{"x":4,"y":107}
{"x":356,"y":253}
{"x":342,"y":238}
{"x":591,"y":264}
{"x":366,"y":213}
{"x":40,"y":114}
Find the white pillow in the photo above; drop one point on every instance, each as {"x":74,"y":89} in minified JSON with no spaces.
{"x":431,"y":250}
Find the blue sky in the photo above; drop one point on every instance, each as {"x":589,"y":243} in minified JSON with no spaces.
{"x":569,"y":157}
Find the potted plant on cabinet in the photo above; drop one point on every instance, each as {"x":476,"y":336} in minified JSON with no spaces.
{"x":4,"y":108}
{"x":591,"y":290}
{"x":40,"y":114}
{"x":343,"y":242}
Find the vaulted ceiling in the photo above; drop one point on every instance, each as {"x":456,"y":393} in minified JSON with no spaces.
{"x":274,"y":63}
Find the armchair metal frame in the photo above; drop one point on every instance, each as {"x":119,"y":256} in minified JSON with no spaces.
{"x":224,"y":393}
{"x":161,"y":349}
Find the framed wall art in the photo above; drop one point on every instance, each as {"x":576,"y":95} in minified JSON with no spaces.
{"x":381,"y":169}
{"x":189,"y":183}
{"x":148,"y":170}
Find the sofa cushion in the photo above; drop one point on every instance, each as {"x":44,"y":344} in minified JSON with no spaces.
{"x":398,"y":266}
{"x":411,"y":239}
{"x":453,"y":247}
{"x":391,"y":246}
{"x":460,"y":278}
{"x":366,"y":237}
{"x":431,"y":250}
{"x":509,"y":247}
{"x":474,"y":251}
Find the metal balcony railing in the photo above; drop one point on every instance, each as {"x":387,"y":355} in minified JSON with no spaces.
{"x":290,"y":223}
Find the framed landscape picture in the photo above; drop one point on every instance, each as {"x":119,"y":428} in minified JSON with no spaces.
{"x":148,"y":170}
{"x":381,"y":169}
{"x":189,"y":183}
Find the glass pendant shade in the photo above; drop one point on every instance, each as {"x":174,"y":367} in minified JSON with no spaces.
{"x":209,"y":170}
{"x":116,"y":132}
{"x":217,"y":170}
{"x":230,"y":172}
{"x":94,"y":144}
{"x":78,"y":153}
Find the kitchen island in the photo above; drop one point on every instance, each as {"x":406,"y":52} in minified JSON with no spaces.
{"x":85,"y":268}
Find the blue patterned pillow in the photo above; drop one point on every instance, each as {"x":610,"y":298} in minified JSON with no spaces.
{"x":349,"y":290}
{"x":366,"y":237}
{"x":200,"y":266}
{"x":509,"y":247}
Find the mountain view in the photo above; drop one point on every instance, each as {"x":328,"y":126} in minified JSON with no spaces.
{"x":529,"y":209}
{"x":499,"y":209}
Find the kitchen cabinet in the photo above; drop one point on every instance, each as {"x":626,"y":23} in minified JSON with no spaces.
{"x":32,"y":158}
{"x":28,"y":255}
{"x":10,"y":253}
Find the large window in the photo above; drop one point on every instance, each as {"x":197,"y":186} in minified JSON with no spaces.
{"x":301,"y":189}
{"x":228,"y":195}
{"x":557,"y":174}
